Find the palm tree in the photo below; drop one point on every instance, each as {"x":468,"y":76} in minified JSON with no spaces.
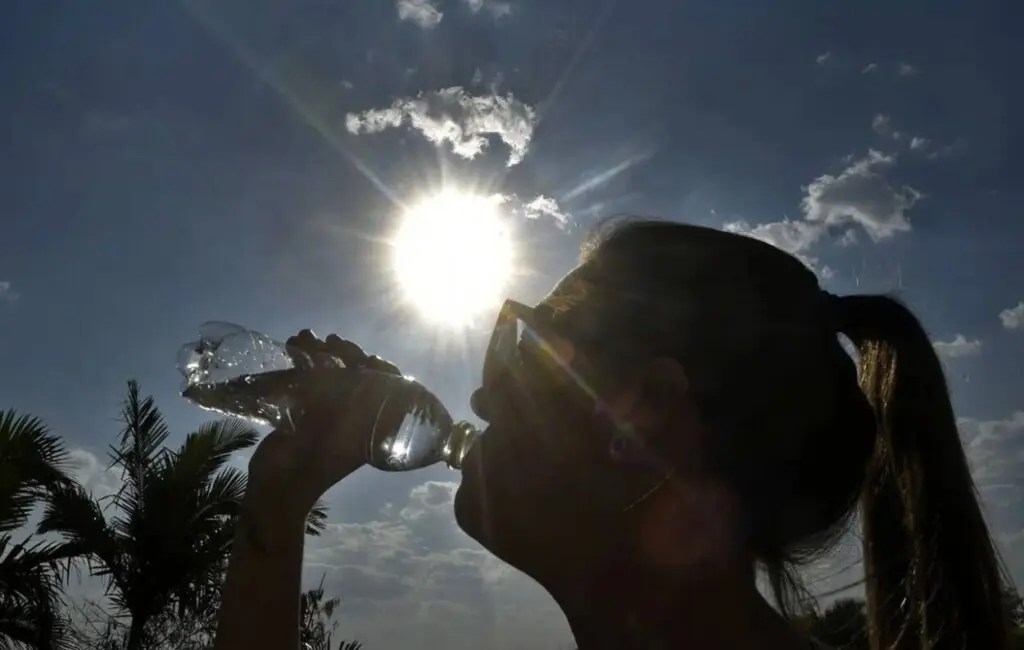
{"x":316,"y":616}
{"x":317,"y":620}
{"x":164,"y":550}
{"x":31,"y":463}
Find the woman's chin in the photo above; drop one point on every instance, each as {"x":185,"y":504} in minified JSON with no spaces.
{"x":473,"y":505}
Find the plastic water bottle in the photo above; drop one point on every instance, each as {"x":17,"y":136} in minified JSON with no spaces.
{"x":240,"y":372}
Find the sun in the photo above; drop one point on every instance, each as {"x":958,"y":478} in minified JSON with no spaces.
{"x":453,"y":256}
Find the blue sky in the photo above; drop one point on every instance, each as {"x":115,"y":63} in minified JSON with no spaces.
{"x":169,"y":163}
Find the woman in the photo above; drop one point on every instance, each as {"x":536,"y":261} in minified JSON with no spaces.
{"x":677,"y":413}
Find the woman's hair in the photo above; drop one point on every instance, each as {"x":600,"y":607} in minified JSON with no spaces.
{"x":802,"y":434}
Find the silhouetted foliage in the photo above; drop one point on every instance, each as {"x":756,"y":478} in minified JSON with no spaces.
{"x":164,"y":549}
{"x":318,"y":624}
{"x":32,"y":462}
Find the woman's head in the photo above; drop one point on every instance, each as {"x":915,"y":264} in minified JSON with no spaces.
{"x":687,"y":401}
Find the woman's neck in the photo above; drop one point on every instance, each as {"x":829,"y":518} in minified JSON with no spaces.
{"x":702,"y":610}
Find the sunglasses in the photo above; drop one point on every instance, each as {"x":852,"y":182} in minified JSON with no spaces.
{"x":524,"y":339}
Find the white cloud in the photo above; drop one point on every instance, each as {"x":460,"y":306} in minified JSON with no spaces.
{"x":861,"y":195}
{"x":421,"y":12}
{"x":949,"y":150}
{"x":960,"y":346}
{"x":858,"y":196}
{"x":7,"y":293}
{"x":849,"y":238}
{"x":453,"y":116}
{"x":1013,"y":317}
{"x":882,"y":124}
{"x":794,"y":237}
{"x":496,"y":8}
{"x":412,"y":579}
{"x":917,"y":143}
{"x":995,"y":450}
{"x":823,"y":58}
{"x":543,"y":206}
{"x":869,"y":68}
{"x":96,"y":476}
{"x":907,"y":70}
{"x":790,"y":236}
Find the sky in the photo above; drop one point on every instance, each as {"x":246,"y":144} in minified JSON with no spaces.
{"x":171,"y":163}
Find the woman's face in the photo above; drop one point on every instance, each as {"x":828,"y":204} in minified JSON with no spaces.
{"x":540,"y":488}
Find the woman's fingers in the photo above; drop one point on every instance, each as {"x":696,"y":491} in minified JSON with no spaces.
{"x":301,"y":348}
{"x":382,"y":365}
{"x":350,"y":354}
{"x":307,"y":351}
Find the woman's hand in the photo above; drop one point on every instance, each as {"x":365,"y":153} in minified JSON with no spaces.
{"x":287,"y":474}
{"x":292,"y":468}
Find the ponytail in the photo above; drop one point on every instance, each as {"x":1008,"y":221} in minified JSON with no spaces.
{"x":933,"y":576}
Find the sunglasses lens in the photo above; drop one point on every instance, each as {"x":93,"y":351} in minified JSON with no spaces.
{"x":501,"y":347}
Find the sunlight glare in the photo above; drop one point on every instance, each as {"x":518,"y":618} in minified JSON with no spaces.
{"x":453,"y":256}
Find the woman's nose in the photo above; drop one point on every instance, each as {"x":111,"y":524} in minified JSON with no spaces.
{"x":478,"y":403}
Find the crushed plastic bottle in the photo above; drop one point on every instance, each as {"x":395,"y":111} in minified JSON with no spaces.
{"x":240,"y":372}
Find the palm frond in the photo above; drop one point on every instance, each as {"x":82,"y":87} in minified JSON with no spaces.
{"x":79,"y":518}
{"x":31,"y":461}
{"x":141,"y":440}
{"x":316,"y":520}
{"x":223,"y":494}
{"x":206,"y":449}
{"x":31,"y":594}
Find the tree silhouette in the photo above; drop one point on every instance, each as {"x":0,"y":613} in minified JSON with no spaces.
{"x":318,"y":624}
{"x":164,"y":550}
{"x":32,"y":462}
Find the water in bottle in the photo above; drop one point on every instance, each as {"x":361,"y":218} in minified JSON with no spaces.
{"x":240,"y":372}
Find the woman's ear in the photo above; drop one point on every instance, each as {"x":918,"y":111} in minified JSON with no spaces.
{"x":656,"y":405}
{"x":665,"y":384}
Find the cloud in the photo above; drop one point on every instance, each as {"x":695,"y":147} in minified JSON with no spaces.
{"x":412,"y":579}
{"x":959,"y":347}
{"x":455,"y":117}
{"x":869,"y":68}
{"x":421,"y":12}
{"x":823,"y":58}
{"x":96,"y":476}
{"x":907,"y":70}
{"x":790,"y":236}
{"x":1013,"y":317}
{"x":602,"y":177}
{"x":794,"y":237}
{"x":849,"y":238}
{"x":917,"y":143}
{"x":544,"y":206}
{"x":882,"y":124}
{"x":995,"y":450}
{"x":861,"y":195}
{"x":495,"y":7}
{"x":7,"y":293}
